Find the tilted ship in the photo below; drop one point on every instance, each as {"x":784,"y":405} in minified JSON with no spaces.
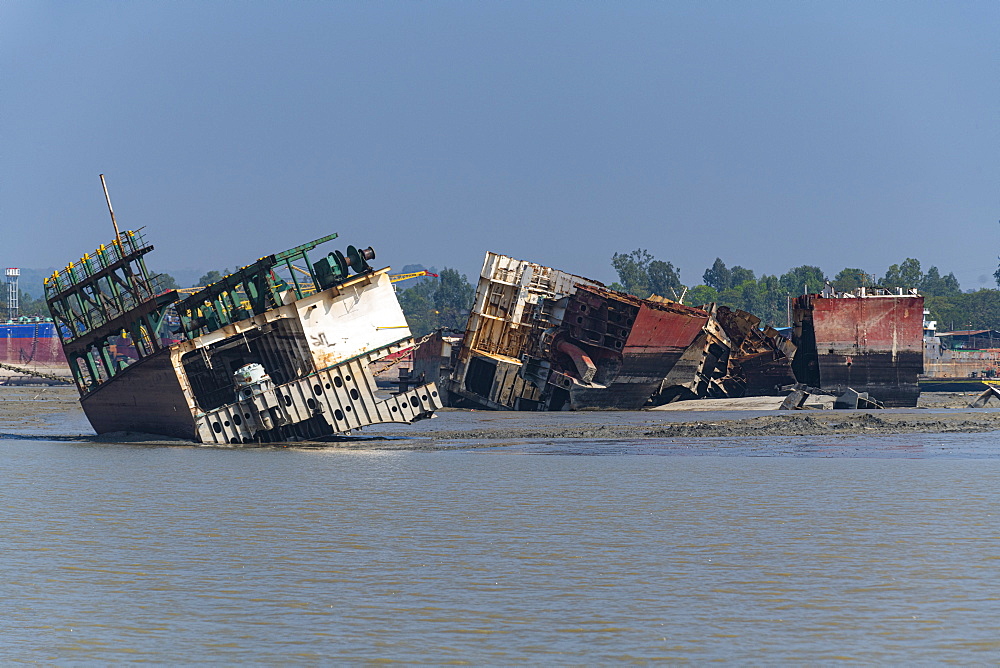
{"x":870,"y":340}
{"x":280,"y":350}
{"x":542,"y":339}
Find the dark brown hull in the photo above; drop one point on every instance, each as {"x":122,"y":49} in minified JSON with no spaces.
{"x":641,"y":375}
{"x":147,"y":399}
{"x":893,"y":381}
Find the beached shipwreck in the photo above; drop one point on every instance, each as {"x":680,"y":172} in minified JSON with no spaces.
{"x":280,"y":350}
{"x":542,"y":339}
{"x":870,"y":340}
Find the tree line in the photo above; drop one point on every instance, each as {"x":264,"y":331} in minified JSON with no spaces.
{"x":445,"y":302}
{"x":766,"y":296}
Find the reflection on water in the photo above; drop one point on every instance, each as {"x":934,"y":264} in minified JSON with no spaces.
{"x":178,"y":554}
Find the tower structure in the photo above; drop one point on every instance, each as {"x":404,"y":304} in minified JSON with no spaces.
{"x":12,"y":306}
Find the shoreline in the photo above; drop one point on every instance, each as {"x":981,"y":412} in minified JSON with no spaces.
{"x":24,"y":410}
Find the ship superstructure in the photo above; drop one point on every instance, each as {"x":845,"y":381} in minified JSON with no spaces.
{"x":279,"y":350}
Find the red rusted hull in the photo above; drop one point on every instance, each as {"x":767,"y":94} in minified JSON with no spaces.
{"x":28,"y":343}
{"x":872,"y":344}
{"x":541,"y":339}
{"x":642,"y":342}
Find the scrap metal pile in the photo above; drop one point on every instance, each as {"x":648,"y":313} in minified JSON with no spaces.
{"x":542,"y":339}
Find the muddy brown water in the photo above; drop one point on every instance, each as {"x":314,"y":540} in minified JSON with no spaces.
{"x":500,"y":544}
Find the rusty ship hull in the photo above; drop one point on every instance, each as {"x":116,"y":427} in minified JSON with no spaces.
{"x":26,"y":342}
{"x":542,"y":339}
{"x":869,"y":342}
{"x":760,"y":360}
{"x":650,"y":337}
{"x":315,"y":341}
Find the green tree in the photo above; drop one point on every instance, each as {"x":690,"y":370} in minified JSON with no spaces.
{"x":968,"y":310}
{"x":741,"y":275}
{"x":849,"y":279}
{"x":166,"y":282}
{"x":26,"y":305}
{"x":806,"y":278}
{"x":633,"y":271}
{"x":442,"y":302}
{"x":417,"y":303}
{"x":747,"y":296}
{"x":453,"y":299}
{"x":664,"y":279}
{"x":719,"y":277}
{"x":701,"y":295}
{"x":905,"y":275}
{"x":212,"y":277}
{"x":933,"y":284}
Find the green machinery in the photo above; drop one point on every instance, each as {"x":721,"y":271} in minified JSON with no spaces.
{"x":265,"y":285}
{"x":96,"y":299}
{"x":111,"y":294}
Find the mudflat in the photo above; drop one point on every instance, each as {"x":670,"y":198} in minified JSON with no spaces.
{"x":28,"y":410}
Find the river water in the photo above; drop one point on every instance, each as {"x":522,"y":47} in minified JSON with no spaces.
{"x":796,"y":550}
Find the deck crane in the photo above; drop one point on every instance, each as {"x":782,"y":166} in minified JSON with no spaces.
{"x":395,"y":278}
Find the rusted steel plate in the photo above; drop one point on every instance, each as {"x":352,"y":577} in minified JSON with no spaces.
{"x":663,"y":331}
{"x":871,"y":344}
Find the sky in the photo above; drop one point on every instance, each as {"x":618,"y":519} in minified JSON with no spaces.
{"x":770,"y":134}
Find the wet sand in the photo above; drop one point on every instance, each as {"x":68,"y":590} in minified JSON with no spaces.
{"x":55,"y":412}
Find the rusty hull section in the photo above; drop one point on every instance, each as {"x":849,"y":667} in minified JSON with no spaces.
{"x":868,"y":342}
{"x":638,"y":343}
{"x":542,"y":339}
{"x":760,"y":361}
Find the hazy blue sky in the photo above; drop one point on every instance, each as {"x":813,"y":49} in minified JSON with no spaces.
{"x":771,"y":134}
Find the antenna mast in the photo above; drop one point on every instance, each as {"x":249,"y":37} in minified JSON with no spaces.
{"x":113,"y":221}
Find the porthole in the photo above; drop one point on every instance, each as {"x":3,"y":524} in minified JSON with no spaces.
{"x":328,"y":386}
{"x":288,"y":400}
{"x":237,"y":420}
{"x":217,"y":427}
{"x":317,"y":389}
{"x":338,"y":381}
{"x":311,"y":403}
{"x":354,"y":394}
{"x":338,"y":414}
